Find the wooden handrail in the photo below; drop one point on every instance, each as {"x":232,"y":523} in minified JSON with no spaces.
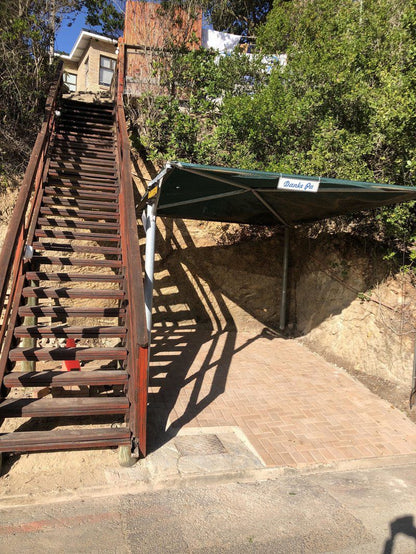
{"x":128,"y":215}
{"x":13,"y":246}
{"x":137,"y":337}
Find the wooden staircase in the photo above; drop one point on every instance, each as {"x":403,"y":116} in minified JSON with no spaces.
{"x":71,"y":264}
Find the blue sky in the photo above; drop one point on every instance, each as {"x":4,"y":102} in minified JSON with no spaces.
{"x":66,"y":36}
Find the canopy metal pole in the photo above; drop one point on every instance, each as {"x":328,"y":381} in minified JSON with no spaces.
{"x":149,"y":266}
{"x":283,"y":304}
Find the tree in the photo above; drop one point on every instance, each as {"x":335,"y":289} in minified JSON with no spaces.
{"x":24,"y":78}
{"x":238,"y":16}
{"x":27,"y":30}
{"x":105,"y":14}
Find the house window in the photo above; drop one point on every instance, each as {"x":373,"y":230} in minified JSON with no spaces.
{"x":70,"y":80}
{"x":107,"y":67}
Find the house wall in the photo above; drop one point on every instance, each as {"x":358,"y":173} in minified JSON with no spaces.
{"x":90,"y":81}
{"x":147,"y":26}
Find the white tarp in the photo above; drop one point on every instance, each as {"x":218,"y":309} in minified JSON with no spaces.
{"x":223,"y":42}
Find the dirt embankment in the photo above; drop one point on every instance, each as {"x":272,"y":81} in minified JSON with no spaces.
{"x":7,"y":202}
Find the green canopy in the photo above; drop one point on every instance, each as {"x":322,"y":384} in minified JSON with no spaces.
{"x":203,"y":192}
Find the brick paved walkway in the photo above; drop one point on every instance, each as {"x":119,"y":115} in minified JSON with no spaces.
{"x":295,"y":408}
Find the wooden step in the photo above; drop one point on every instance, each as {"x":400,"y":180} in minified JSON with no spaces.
{"x":73,"y":106}
{"x":111,"y":188}
{"x":66,"y":292}
{"x":65,"y":378}
{"x":71,"y":235}
{"x":72,"y":212}
{"x":82,"y":138}
{"x":90,"y":143}
{"x":81,"y":111}
{"x":52,"y":407}
{"x":88,"y":122}
{"x":67,"y":247}
{"x":80,"y":193}
{"x":77,"y":203}
{"x":81,"y":353}
{"x":79,"y":115}
{"x":64,"y":126}
{"x":85,"y":138}
{"x":82,"y":172}
{"x":81,"y":262}
{"x":60,"y":312}
{"x":79,"y":162}
{"x":62,"y":147}
{"x":74,"y":224}
{"x":97,"y":122}
{"x":73,"y":277}
{"x":96,"y":151}
{"x":86,"y":179}
{"x":84,"y":167}
{"x":87,"y":107}
{"x":101,"y":120}
{"x":76,"y":129}
{"x":83,"y":185}
{"x":63,"y":331}
{"x":80,"y":159}
{"x":68,"y":439}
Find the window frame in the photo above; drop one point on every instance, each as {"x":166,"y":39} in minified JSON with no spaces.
{"x":67,"y":73}
{"x":113,"y":68}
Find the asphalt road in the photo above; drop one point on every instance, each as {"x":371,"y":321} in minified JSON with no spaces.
{"x":362,"y":511}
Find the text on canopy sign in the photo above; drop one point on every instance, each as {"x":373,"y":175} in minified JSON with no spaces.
{"x":299,"y":185}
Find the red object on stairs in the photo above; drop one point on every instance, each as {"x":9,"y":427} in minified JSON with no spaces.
{"x":71,"y":365}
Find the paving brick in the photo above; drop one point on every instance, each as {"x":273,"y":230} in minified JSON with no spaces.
{"x":294,"y":408}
